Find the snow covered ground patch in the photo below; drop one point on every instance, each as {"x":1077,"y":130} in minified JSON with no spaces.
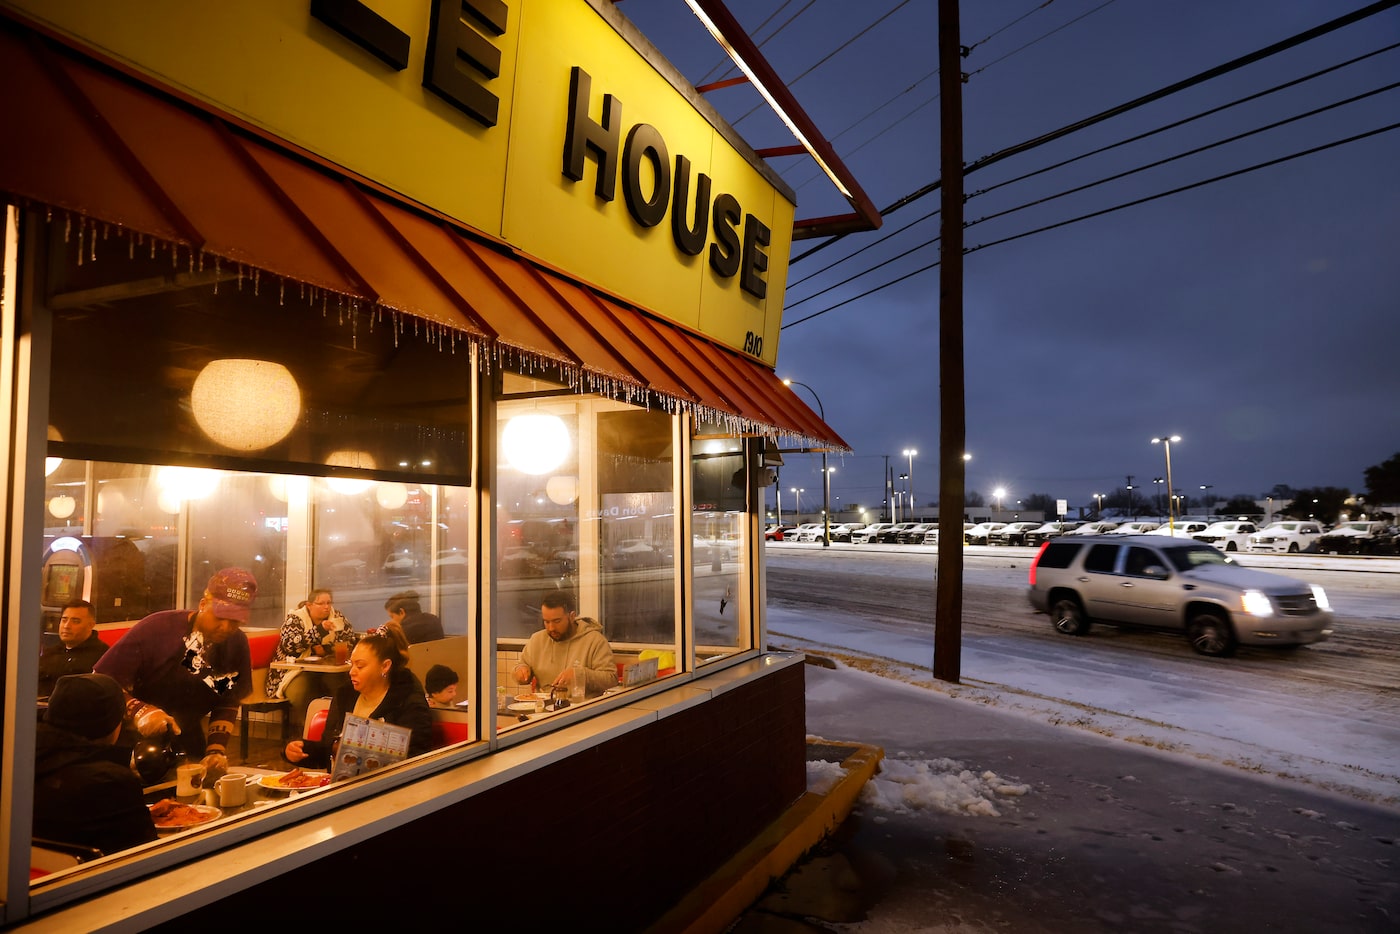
{"x":905,"y":786}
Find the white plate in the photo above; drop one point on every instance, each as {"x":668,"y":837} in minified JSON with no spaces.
{"x":275,"y":781}
{"x":522,"y":708}
{"x":204,"y":814}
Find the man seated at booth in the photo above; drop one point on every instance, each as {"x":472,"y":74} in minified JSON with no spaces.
{"x":406,"y":610}
{"x":77,"y":650}
{"x":549,"y":655}
{"x":84,"y":789}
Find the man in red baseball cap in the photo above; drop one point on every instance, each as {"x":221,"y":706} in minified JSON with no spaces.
{"x":178,"y":665}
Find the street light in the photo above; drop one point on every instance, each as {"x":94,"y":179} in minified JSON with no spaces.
{"x":909,"y":453}
{"x":1166,"y":442}
{"x":1210,"y":507}
{"x":1157,"y":493}
{"x":798,"y":511}
{"x":1099,"y":497}
{"x":997,"y":494}
{"x":826,"y":483}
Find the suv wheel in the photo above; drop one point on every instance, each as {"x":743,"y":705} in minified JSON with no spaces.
{"x":1292,"y":548}
{"x":1211,"y":634}
{"x":1068,"y":617}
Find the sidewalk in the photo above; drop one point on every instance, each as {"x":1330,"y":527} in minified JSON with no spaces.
{"x":981,"y":819}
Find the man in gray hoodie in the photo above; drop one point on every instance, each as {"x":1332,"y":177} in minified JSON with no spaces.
{"x":548,"y":657}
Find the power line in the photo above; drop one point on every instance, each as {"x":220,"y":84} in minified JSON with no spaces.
{"x":1189,"y":152}
{"x":1120,"y":175}
{"x":1185,"y":120}
{"x":1039,"y":38}
{"x":1109,"y":210}
{"x":1151,"y":97}
{"x":1200,"y":184}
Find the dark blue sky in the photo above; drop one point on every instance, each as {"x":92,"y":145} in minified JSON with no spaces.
{"x":1258,"y":317}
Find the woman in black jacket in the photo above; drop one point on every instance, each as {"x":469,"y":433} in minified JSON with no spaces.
{"x":381,"y":688}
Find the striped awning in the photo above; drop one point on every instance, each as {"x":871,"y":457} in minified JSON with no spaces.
{"x":107,"y":148}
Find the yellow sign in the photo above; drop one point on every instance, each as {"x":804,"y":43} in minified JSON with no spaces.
{"x":533,"y":121}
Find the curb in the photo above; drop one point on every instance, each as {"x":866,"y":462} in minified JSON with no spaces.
{"x":717,"y":902}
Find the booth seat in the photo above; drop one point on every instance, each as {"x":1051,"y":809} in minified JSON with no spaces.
{"x":450,"y":726}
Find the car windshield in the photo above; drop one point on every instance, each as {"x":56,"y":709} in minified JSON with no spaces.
{"x":1186,"y":558}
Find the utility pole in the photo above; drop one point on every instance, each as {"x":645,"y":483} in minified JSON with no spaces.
{"x":952,"y":396}
{"x":1130,"y":497}
{"x":885,"y":514}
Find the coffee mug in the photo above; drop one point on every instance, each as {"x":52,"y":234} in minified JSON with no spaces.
{"x":233,"y":791}
{"x":188,"y":779}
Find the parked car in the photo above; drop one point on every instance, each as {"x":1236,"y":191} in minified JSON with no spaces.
{"x":777,"y":533}
{"x":1094,"y":528}
{"x":1043,"y":533}
{"x":1012,"y":533}
{"x":807,"y":532}
{"x":844,"y":531}
{"x":1181,"y":528}
{"x":931,"y":536}
{"x":1175,"y":584}
{"x":1135,"y":527}
{"x":1289,"y":536}
{"x":1227,"y":535}
{"x":890,"y":535}
{"x":870,"y":533}
{"x":977,"y":535}
{"x":1350,"y":538}
{"x":914,"y":535}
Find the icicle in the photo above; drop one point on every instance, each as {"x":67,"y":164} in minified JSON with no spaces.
{"x":81,"y":228}
{"x":282,"y":292}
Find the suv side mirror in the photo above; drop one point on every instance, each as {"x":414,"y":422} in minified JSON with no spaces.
{"x":1156,"y":572}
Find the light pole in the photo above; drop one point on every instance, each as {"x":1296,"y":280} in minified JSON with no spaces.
{"x":1210,"y":506}
{"x":1166,"y":441}
{"x":909,"y":453}
{"x":1099,"y":497}
{"x":997,"y":494}
{"x":798,"y":510}
{"x":826,"y":483}
{"x":1157,"y":493}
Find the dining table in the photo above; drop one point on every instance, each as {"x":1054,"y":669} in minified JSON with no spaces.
{"x":261,"y":789}
{"x":311,"y":663}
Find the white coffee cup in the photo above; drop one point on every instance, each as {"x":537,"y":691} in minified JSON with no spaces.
{"x":233,"y":791}
{"x":187,"y":780}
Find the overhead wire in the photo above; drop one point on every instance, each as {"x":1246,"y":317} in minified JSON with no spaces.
{"x":1189,"y":152}
{"x":1040,"y":38}
{"x":1109,"y":210}
{"x":1200,"y":184}
{"x":1185,"y":120}
{"x":1293,"y":83}
{"x":1151,"y":97}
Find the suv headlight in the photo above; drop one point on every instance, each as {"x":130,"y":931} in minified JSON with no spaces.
{"x":1256,"y":603}
{"x":1320,"y":597}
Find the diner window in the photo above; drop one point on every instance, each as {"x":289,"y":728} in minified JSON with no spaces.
{"x":335,"y":454}
{"x":586,"y":505}
{"x":719,"y":526}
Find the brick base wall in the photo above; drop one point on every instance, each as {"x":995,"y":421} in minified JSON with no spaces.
{"x":657,"y":810}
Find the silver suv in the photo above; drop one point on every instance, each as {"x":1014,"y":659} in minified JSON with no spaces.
{"x":1176,"y":584}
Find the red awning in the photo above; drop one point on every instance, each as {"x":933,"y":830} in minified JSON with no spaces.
{"x":104,"y":146}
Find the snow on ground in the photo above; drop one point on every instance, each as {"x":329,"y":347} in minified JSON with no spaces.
{"x":1260,"y":732}
{"x":906,"y":786}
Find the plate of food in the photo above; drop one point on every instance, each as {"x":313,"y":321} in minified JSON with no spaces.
{"x":522,"y":707}
{"x":171,"y":815}
{"x":295,"y":780}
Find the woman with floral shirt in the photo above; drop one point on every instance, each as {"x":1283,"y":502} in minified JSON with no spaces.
{"x":309,"y":631}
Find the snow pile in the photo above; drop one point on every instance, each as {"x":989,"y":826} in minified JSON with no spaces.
{"x":822,"y":776}
{"x":937,"y":785}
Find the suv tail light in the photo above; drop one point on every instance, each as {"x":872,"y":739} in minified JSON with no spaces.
{"x":1036,"y":560}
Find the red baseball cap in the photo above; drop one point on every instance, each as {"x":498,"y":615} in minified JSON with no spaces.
{"x":233,"y":591}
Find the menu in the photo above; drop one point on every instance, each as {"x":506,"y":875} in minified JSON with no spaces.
{"x":366,"y":745}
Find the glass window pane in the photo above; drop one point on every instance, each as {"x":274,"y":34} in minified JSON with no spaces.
{"x":719,"y":541}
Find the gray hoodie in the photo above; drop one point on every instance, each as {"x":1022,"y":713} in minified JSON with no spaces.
{"x":588,"y":645}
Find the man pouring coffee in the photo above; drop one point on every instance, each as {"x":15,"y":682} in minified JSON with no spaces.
{"x":178,"y":665}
